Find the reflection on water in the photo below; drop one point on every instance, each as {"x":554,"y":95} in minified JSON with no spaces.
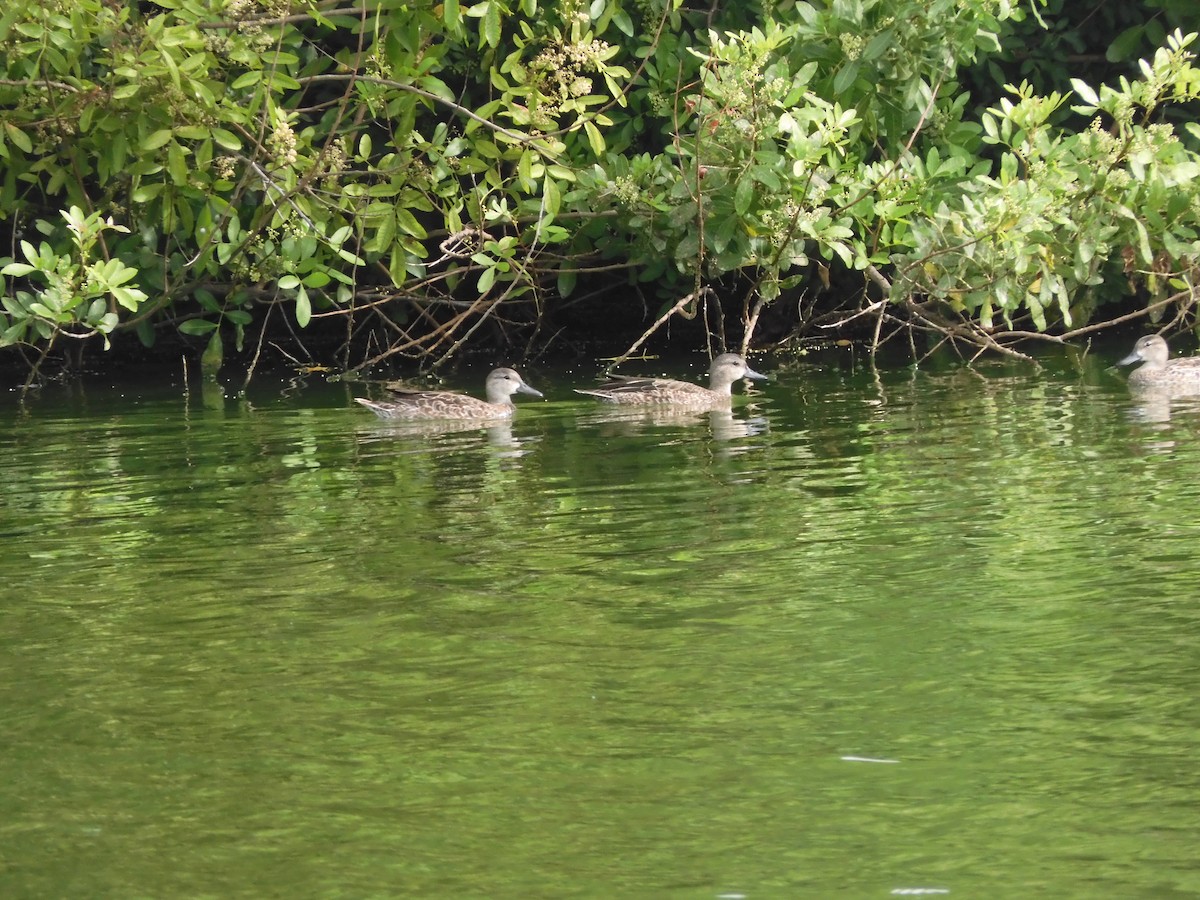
{"x":863,"y":633}
{"x":444,"y":436}
{"x":1157,"y":403}
{"x":723,"y":425}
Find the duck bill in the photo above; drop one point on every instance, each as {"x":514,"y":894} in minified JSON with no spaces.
{"x":756,"y":376}
{"x":526,"y":389}
{"x":1130,"y":359}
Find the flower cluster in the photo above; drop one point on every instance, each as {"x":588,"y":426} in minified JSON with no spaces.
{"x":333,"y":161}
{"x":559,"y":69}
{"x":625,"y":190}
{"x":249,"y":15}
{"x":852,"y":45}
{"x":283,"y":143}
{"x":249,"y":10}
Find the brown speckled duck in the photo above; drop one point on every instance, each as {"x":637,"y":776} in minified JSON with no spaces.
{"x":725,"y":370}
{"x":410,"y":405}
{"x":1158,"y":370}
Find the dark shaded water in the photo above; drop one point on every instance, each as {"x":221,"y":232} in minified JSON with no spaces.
{"x":868,"y":634}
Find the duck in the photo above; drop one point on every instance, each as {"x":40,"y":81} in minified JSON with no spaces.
{"x":725,"y":370}
{"x":501,"y":384}
{"x":1157,"y":370}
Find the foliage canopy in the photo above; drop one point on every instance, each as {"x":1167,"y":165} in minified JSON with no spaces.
{"x":404,"y":172}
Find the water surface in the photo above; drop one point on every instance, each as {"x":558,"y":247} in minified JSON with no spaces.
{"x":870,"y":632}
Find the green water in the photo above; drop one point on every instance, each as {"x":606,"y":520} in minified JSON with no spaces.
{"x":871,"y":633}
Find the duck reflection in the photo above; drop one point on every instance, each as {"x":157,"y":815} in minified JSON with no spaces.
{"x":447,"y":436}
{"x":1160,"y":402}
{"x":722,"y":423}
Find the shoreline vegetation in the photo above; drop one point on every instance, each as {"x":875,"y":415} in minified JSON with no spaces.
{"x":367,"y":185}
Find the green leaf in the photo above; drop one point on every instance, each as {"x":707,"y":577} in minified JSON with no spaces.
{"x":491,"y":24}
{"x":130,"y":298}
{"x":246,"y":79}
{"x":213,"y":356}
{"x":157,"y":139}
{"x":408,"y":223}
{"x":878,"y":45}
{"x":1143,"y":238}
{"x":144,"y":193}
{"x":227,"y":139}
{"x":1085,"y":92}
{"x":145,"y":332}
{"x":172,"y":69}
{"x":437,"y":87}
{"x":10,"y":16}
{"x":177,"y":164}
{"x":525,"y":170}
{"x":303,"y":308}
{"x":566,"y":281}
{"x":281,"y":81}
{"x":845,"y":78}
{"x":380,"y":242}
{"x":595,"y":138}
{"x":1125,"y":45}
{"x":13,"y":334}
{"x":207,"y":301}
{"x":552,"y":199}
{"x":743,"y":196}
{"x":721,"y":236}
{"x":486,"y":280}
{"x":614,"y":88}
{"x":197,"y":327}
{"x":18,"y":137}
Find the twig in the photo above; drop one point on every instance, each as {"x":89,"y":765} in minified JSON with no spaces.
{"x":752,"y":323}
{"x":878,"y":328}
{"x":258,"y":349}
{"x":684,"y":301}
{"x":866,"y":310}
{"x":491,"y":307}
{"x":39,"y":82}
{"x":38,"y":365}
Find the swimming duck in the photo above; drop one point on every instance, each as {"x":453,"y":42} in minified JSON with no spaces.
{"x":1157,"y":369}
{"x":501,"y":385}
{"x":725,"y":370}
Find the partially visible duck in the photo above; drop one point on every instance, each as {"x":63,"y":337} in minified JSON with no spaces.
{"x":408,"y":405}
{"x":1157,"y":369}
{"x":725,"y":370}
